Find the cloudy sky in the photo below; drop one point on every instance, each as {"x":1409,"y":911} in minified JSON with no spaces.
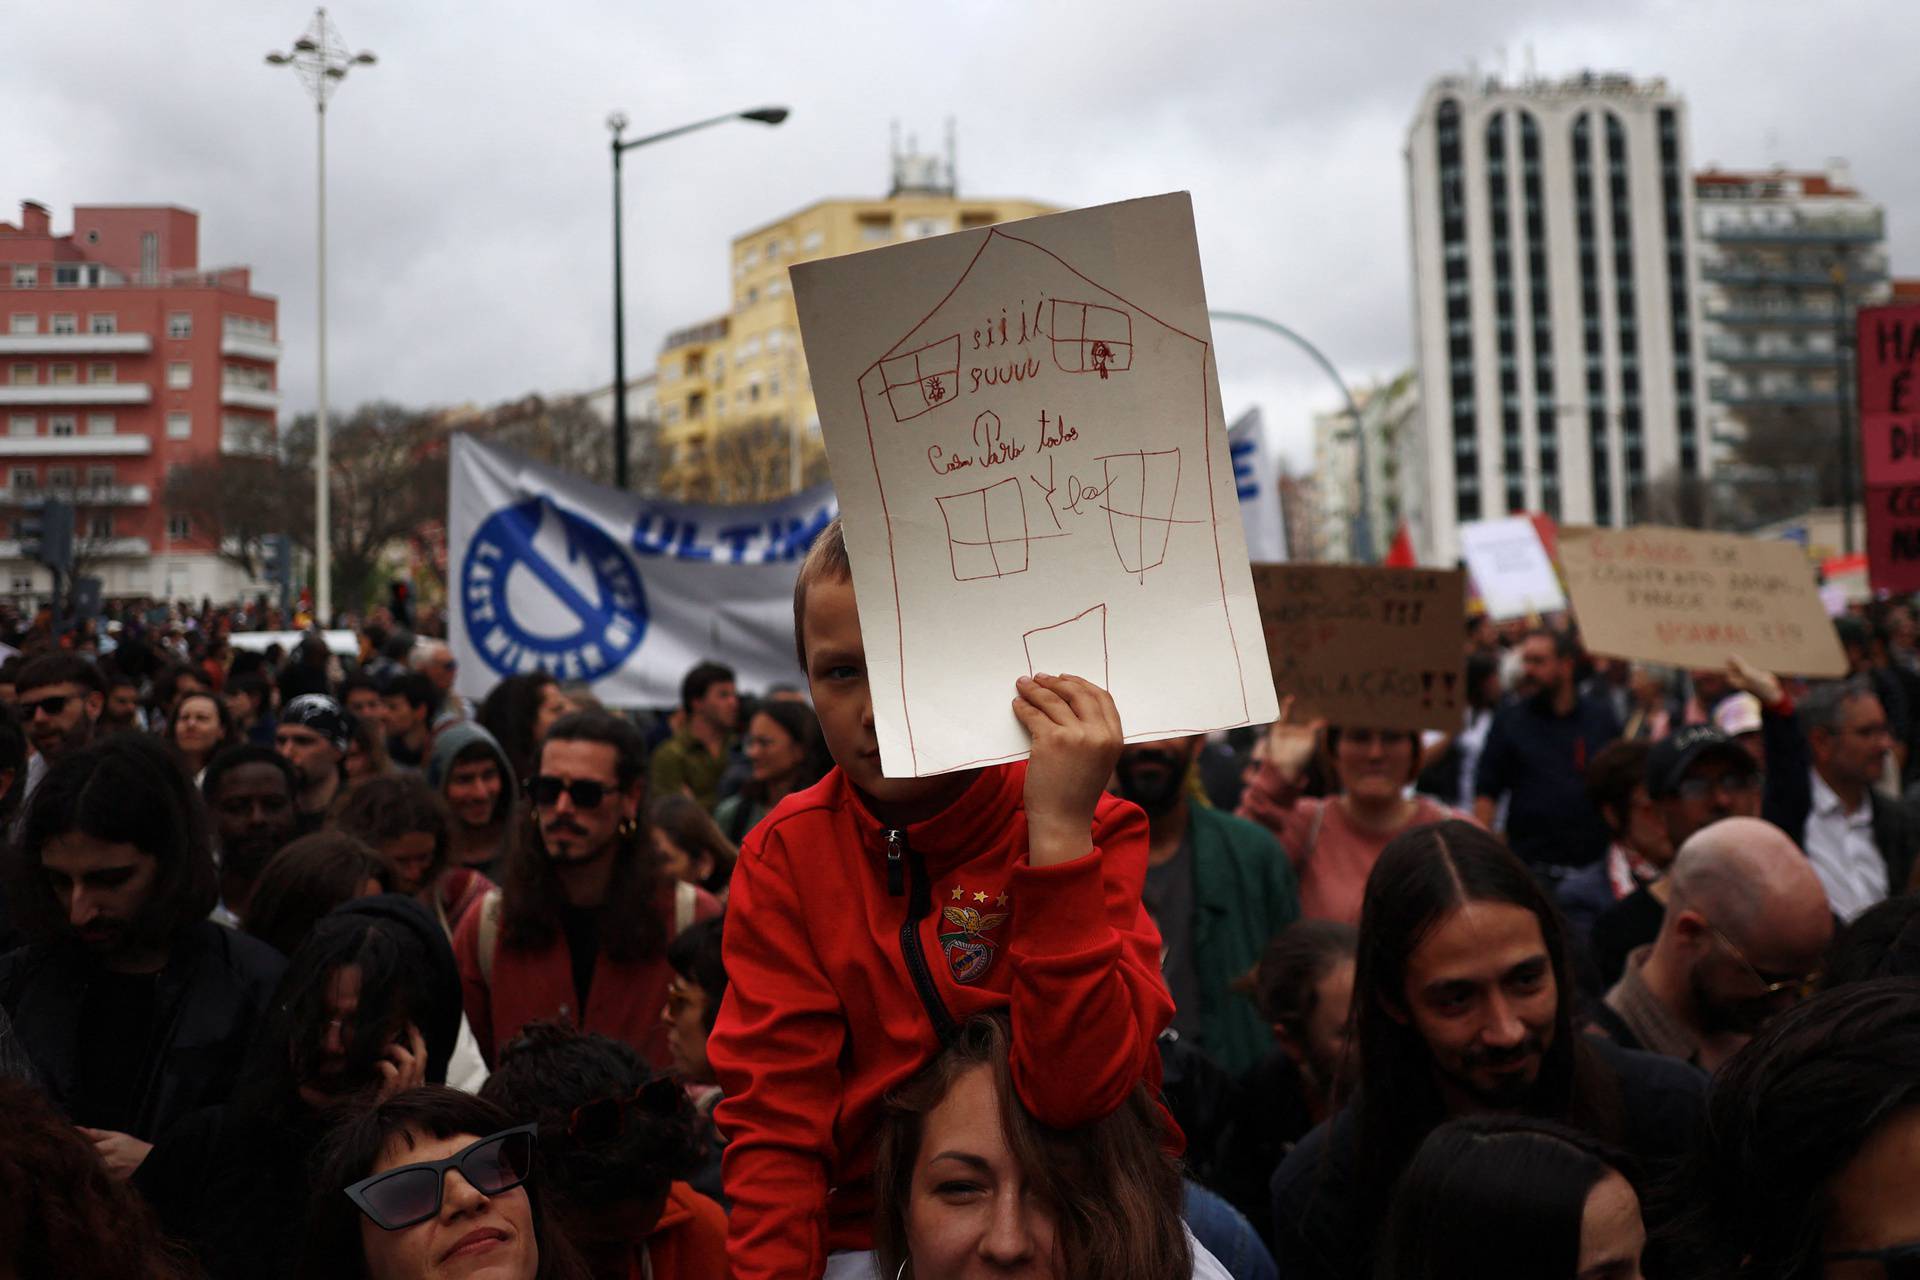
{"x":469,"y":183}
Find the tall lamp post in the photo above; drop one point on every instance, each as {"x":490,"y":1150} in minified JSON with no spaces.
{"x":617,"y":122}
{"x":1363,"y":523}
{"x":322,"y":60}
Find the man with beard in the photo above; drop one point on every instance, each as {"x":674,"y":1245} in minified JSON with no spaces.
{"x":579,"y":928}
{"x":1536,"y":757}
{"x":249,"y":793}
{"x":313,"y":736}
{"x":122,"y":707}
{"x":1462,"y":1003}
{"x":1218,"y":887}
{"x":134,"y":1007}
{"x":60,"y":698}
{"x":1746,"y":924}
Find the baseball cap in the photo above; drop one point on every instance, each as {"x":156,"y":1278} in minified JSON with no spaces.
{"x":1737,"y":713}
{"x":1679,"y":751}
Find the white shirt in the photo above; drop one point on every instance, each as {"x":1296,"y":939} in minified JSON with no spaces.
{"x":1840,"y":846}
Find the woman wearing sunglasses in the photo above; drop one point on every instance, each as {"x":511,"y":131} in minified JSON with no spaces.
{"x":429,"y":1185}
{"x":1807,"y":1166}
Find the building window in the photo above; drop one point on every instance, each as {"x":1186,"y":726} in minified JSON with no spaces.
{"x":100,"y":525}
{"x":99,"y":424}
{"x":180,"y":324}
{"x":23,"y":424}
{"x":179,"y":528}
{"x":100,"y":371}
{"x":149,"y":254}
{"x":876,"y":228}
{"x":60,"y":479}
{"x":25,"y":480}
{"x":23,"y":322}
{"x":24,"y":375}
{"x":179,"y":426}
{"x":22,"y":584}
{"x":753,"y":294}
{"x":61,"y":425}
{"x":61,"y":375}
{"x":25,"y":276}
{"x":179,"y":374}
{"x":1453,"y":239}
{"x":103,"y":322}
{"x":813,"y":241}
{"x":99,"y":477}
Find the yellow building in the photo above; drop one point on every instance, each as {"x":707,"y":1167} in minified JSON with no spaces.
{"x":737,"y":417}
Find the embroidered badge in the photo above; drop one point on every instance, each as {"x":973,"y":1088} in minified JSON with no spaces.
{"x":969,"y":952}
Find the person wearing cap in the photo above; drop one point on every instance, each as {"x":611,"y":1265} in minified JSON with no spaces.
{"x":1740,"y":717}
{"x":313,"y":735}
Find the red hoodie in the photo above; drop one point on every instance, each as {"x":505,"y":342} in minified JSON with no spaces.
{"x":825,"y":1013}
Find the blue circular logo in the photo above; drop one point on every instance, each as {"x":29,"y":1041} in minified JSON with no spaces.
{"x":543,"y":590}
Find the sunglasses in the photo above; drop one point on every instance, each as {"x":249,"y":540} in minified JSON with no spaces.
{"x":53,"y":704}
{"x":545,"y":790}
{"x":399,"y":1198}
{"x":1771,"y":984}
{"x":1897,"y":1262}
{"x":606,"y":1118}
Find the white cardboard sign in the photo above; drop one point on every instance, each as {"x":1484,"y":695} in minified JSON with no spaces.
{"x":1512,"y":571}
{"x":1025,"y":430}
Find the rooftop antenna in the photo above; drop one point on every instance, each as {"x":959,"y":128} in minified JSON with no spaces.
{"x":1532,"y":72}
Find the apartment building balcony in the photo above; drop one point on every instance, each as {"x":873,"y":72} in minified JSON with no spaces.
{"x":1847,"y":229}
{"x":86,"y":344}
{"x":1735,"y":353}
{"x":1746,"y":396}
{"x":89,"y":495}
{"x":1735,"y":317}
{"x":101,"y":548}
{"x":249,"y":347}
{"x":240,"y":396}
{"x":83,"y":393}
{"x":75,"y":446}
{"x":1749,"y":275}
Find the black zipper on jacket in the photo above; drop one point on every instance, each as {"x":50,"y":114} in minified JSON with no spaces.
{"x":919,"y":903}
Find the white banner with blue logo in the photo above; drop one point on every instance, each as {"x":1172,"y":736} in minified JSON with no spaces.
{"x":1258,"y":484}
{"x":552,"y":573}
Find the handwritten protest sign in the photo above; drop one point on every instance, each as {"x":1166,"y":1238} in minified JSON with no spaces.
{"x":1689,"y":599}
{"x":1511,"y":568}
{"x":1889,"y":347}
{"x":1366,"y":647}
{"x":1026,"y":437}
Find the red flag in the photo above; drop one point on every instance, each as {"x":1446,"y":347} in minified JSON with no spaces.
{"x":1400,"y":554}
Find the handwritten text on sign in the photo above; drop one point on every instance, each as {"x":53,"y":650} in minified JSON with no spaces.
{"x":1690,"y":599}
{"x":1365,"y":647}
{"x":1889,"y":395}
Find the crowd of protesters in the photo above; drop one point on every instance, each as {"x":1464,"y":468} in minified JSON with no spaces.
{"x":312,"y":967}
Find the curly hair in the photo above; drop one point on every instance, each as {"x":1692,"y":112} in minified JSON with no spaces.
{"x":550,"y":1069}
{"x":61,"y":1212}
{"x":395,"y":805}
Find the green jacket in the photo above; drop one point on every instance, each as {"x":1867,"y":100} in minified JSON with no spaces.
{"x":683,"y":762}
{"x":1244,"y":892}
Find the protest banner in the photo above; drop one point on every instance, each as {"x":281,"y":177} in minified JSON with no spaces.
{"x":1691,"y":599}
{"x":1511,"y":567}
{"x":1026,"y":436}
{"x":1258,"y":483}
{"x":1366,"y":647}
{"x":1889,"y":401}
{"x":549,"y":572}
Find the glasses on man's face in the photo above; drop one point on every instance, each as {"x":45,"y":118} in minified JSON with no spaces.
{"x":606,"y":1118}
{"x":1737,"y":784}
{"x":1897,"y":1262}
{"x":395,"y":1199}
{"x":545,"y":790}
{"x":1771,"y":984}
{"x":53,"y":704}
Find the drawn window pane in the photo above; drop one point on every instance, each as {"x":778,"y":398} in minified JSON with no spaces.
{"x":922,"y":379}
{"x":986,"y":531}
{"x":1088,"y":338}
{"x":1140,"y":492}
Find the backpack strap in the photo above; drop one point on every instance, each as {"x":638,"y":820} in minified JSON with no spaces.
{"x":489,"y":933}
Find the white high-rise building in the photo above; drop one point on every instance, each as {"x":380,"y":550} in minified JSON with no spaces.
{"x":1556,"y":301}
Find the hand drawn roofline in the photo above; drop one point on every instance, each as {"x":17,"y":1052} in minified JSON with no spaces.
{"x":994,"y":233}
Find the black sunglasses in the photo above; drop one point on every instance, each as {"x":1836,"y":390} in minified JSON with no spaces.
{"x":53,"y":704}
{"x":395,"y":1199}
{"x":1897,"y":1262}
{"x":545,"y":790}
{"x":606,"y":1118}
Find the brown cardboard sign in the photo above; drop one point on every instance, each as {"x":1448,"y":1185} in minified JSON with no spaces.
{"x":1692,"y":599}
{"x":1366,"y":647}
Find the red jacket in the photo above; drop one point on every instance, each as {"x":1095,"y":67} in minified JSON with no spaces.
{"x":688,"y":1243}
{"x":624,"y":1000}
{"x":822,"y":1017}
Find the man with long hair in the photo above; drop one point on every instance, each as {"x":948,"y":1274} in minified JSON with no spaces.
{"x":134,"y":1008}
{"x":1463,"y":1003}
{"x":579,"y":929}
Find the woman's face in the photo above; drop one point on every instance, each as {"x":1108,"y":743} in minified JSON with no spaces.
{"x":196,"y":725}
{"x":1611,"y":1234}
{"x":969,"y":1213}
{"x":771,"y":751}
{"x":1873,"y":1206}
{"x":1374,"y":765}
{"x":553,"y":705}
{"x":472,"y":1237}
{"x":677,"y":862}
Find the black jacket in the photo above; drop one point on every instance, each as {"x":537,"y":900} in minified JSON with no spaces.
{"x":211,"y":998}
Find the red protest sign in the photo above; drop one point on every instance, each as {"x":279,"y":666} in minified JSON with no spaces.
{"x":1888,"y":359}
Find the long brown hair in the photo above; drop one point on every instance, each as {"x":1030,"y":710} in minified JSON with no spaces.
{"x":1111,"y":1186}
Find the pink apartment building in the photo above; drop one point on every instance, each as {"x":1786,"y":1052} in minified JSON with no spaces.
{"x":120,"y":359}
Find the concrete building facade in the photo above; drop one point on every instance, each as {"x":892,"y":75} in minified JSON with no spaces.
{"x":1556,"y":298}
{"x":122,"y":359}
{"x":1396,"y":480}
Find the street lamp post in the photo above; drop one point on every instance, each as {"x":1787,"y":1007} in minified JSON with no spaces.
{"x":321,"y":58}
{"x":1363,"y":523}
{"x":617,"y":122}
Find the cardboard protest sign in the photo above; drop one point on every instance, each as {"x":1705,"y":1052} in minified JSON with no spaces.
{"x":1366,"y":647}
{"x":1889,"y":397}
{"x":1690,"y":599}
{"x":1026,"y":437}
{"x":1511,"y":567}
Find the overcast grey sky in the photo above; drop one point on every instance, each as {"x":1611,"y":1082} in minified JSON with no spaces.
{"x":469,"y":184}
